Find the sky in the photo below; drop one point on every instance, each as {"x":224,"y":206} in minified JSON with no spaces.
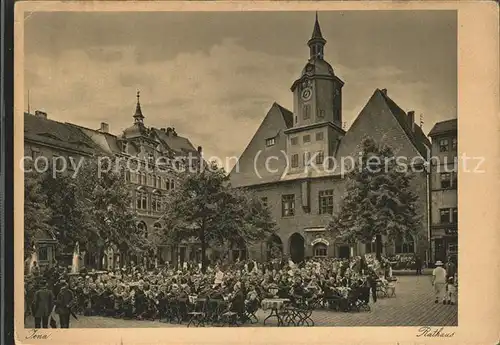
{"x":214,"y":75}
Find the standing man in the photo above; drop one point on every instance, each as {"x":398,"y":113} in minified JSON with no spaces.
{"x":42,"y":305}
{"x":372,"y":280}
{"x":439,"y":282}
{"x":451,"y":268}
{"x":63,"y":304}
{"x":418,"y":265}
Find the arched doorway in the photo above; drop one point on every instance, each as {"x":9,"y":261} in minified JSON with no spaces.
{"x":297,"y":247}
{"x":274,"y":247}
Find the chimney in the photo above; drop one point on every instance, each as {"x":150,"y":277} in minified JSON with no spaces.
{"x":199,"y":150}
{"x":411,"y":120}
{"x":41,"y":114}
{"x":162,"y":129}
{"x":384,"y":91}
{"x":174,"y":132}
{"x":169,"y":130}
{"x":104,"y":127}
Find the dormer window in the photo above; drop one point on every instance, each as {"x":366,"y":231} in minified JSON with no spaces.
{"x":270,"y":142}
{"x":124,"y":147}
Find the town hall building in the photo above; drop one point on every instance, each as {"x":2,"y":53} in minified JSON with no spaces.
{"x":302,"y":200}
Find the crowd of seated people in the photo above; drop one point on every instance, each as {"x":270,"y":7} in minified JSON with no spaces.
{"x":171,"y":294}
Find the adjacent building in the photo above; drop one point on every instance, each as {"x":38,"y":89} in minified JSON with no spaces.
{"x":444,"y":196}
{"x":146,"y":154}
{"x":44,"y":141}
{"x":303,"y":200}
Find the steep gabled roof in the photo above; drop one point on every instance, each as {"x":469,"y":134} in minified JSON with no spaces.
{"x":287,"y":115}
{"x":273,"y":125}
{"x":175,"y":142}
{"x":54,"y":133}
{"x":444,"y":127}
{"x":417,"y":136}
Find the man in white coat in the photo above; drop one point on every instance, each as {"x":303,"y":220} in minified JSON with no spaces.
{"x":439,"y":282}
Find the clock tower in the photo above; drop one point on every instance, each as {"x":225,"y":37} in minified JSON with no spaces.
{"x":317,"y":108}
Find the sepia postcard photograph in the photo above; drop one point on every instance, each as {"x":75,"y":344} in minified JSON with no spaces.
{"x":230,"y":168}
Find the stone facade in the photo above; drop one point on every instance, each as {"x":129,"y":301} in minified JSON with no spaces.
{"x":146,"y":154}
{"x":312,"y":135}
{"x":444,"y":200}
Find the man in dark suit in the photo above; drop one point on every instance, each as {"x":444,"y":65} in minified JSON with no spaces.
{"x":43,"y":303}
{"x":418,"y":265}
{"x":64,"y":303}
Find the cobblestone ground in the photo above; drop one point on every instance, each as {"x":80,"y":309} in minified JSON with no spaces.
{"x":413,"y":306}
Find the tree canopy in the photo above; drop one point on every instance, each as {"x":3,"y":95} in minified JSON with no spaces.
{"x":378,"y":200}
{"x":91,"y":208}
{"x":37,"y":214}
{"x":205,"y":206}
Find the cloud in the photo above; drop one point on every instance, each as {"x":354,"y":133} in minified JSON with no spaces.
{"x":216,"y":97}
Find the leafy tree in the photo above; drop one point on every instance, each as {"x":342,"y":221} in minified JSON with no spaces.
{"x":71,"y":216}
{"x":113,"y":222}
{"x":205,"y":206}
{"x":37,"y":214}
{"x":378,"y":200}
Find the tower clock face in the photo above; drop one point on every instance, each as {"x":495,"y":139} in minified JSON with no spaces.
{"x":306,"y":94}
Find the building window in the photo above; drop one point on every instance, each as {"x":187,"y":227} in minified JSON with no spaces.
{"x":321,"y":114}
{"x":306,"y":139}
{"x":42,"y":254}
{"x":319,"y":136}
{"x":320,"y":250}
{"x":270,"y":142}
{"x":294,"y":141}
{"x":288,"y":205}
{"x":443,"y":145}
{"x":153,"y":180}
{"x":151,"y":158}
{"x":141,"y":200}
{"x":143,"y":230}
{"x":295,"y":160}
{"x":326,"y":201}
{"x":320,"y":157}
{"x":156,"y":203}
{"x":133,"y":177}
{"x":307,"y":112}
{"x":158,"y":181}
{"x":444,"y":215}
{"x":307,"y":157}
{"x":264,"y":201}
{"x":128,"y":176}
{"x":454,"y":215}
{"x":124,"y":147}
{"x":144,"y":180}
{"x":172,"y":184}
{"x":454,"y":143}
{"x":445,"y":180}
{"x":454,"y":180}
{"x":405,"y":245}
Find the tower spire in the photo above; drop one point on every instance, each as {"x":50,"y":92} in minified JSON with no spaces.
{"x":139,"y":118}
{"x":317,"y":42}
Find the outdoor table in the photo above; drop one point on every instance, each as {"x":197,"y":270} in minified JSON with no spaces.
{"x":275,"y":304}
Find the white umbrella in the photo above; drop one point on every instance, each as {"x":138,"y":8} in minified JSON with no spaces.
{"x":75,"y":265}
